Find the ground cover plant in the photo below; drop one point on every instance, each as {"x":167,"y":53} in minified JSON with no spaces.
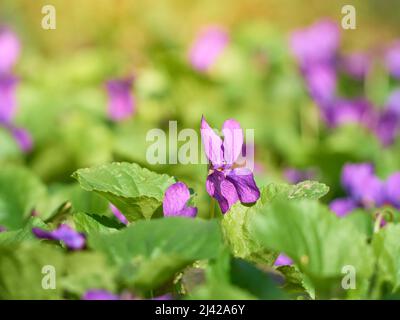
{"x":228,"y":160}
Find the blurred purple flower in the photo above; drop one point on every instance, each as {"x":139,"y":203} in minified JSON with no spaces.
{"x":8,"y":103}
{"x":2,"y":229}
{"x":392,"y":59}
{"x":283,"y":260}
{"x":175,"y":201}
{"x":343,"y":206}
{"x":64,"y":233}
{"x":393,"y":102}
{"x":344,"y":111}
{"x":321,"y":83}
{"x":362,"y":185}
{"x":387,"y":127}
{"x":356,"y":65}
{"x":294,"y":176}
{"x":317,"y":44}
{"x":23,"y":138}
{"x":224,"y":182}
{"x":392,"y":190}
{"x":121,"y":103}
{"x":207,"y":47}
{"x":98,"y":294}
{"x":9,"y":50}
{"x":118,"y":214}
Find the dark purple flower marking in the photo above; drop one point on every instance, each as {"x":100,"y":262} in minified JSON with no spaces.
{"x":175,"y":201}
{"x":73,"y":240}
{"x":343,"y":206}
{"x":118,"y":214}
{"x":9,"y":50}
{"x":226,"y":183}
{"x":283,"y":260}
{"x":121,"y":103}
{"x":207,"y":47}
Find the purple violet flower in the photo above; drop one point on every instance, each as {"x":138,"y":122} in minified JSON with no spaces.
{"x":317,"y":44}
{"x":121,"y":103}
{"x":392,"y":59}
{"x":23,"y":138}
{"x":393,"y":103}
{"x":8,"y":103}
{"x":118,"y":214}
{"x":175,"y":201}
{"x":392,"y":190}
{"x":295,"y":176}
{"x":387,"y":127}
{"x":321,"y":83}
{"x":356,"y":65}
{"x":344,"y":111}
{"x":72,"y":239}
{"x":98,"y":294}
{"x":207,"y":47}
{"x":343,"y":206}
{"x":362,"y":185}
{"x":226,"y":183}
{"x":9,"y":50}
{"x":283,"y":260}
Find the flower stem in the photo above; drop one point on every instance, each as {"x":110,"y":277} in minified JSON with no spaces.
{"x":212,"y":208}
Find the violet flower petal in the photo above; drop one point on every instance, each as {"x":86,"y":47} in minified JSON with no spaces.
{"x":121,"y":103}
{"x":233,"y":140}
{"x":316,"y":44}
{"x":8,"y":103}
{"x":392,"y":59}
{"x":392,"y":189}
{"x":283,"y":260}
{"x":96,"y":294}
{"x":73,"y":240}
{"x":23,"y":139}
{"x":118,"y":214}
{"x":356,"y":65}
{"x":9,"y":50}
{"x":222,"y":190}
{"x":207,"y":47}
{"x":212,"y":144}
{"x":243,"y":180}
{"x":175,"y":199}
{"x":342,"y":206}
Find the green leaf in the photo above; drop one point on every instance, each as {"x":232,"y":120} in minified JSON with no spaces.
{"x":20,"y":191}
{"x":21,"y":235}
{"x":22,"y":272}
{"x":235,"y":224}
{"x":319,"y":243}
{"x":87,"y":270}
{"x":90,"y":223}
{"x":151,"y":252}
{"x":386,"y":247}
{"x":136,"y":191}
{"x":255,"y":281}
